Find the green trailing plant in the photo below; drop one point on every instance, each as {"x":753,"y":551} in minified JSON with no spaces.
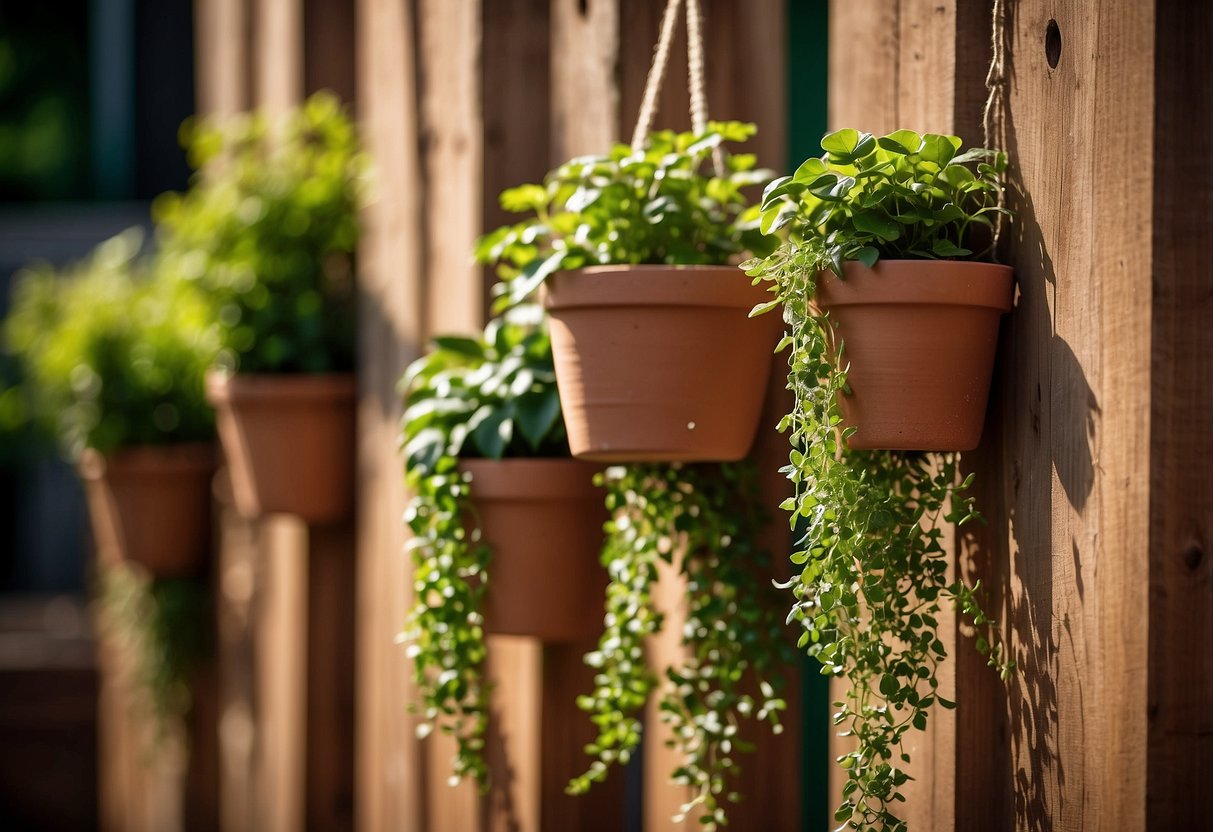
{"x":490,"y":397}
{"x":873,"y":573}
{"x":654,"y":205}
{"x":112,"y":358}
{"x":267,"y":230}
{"x":697,"y":520}
{"x":166,"y":625}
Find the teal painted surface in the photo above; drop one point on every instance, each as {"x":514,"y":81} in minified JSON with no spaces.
{"x":808,"y":62}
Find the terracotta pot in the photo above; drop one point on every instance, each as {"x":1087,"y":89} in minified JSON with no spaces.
{"x":152,"y":506}
{"x":920,"y":337}
{"x":289,"y":443}
{"x":660,"y":363}
{"x":543,"y":519}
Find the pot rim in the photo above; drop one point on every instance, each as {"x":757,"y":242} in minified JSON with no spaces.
{"x":532,"y":478}
{"x":223,"y":387}
{"x":919,"y":282}
{"x":149,"y":460}
{"x":635,"y":285}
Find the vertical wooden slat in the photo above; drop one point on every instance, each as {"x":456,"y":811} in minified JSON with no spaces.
{"x":449,"y":38}
{"x":585,"y":99}
{"x":329,"y":801}
{"x":1180,"y":752}
{"x":222,"y":33}
{"x":390,"y":778}
{"x":864,"y":58}
{"x":278,"y":54}
{"x":280,"y":676}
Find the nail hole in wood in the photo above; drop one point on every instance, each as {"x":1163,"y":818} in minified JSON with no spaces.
{"x":583,"y":6}
{"x":1052,"y":44}
{"x":1193,"y":555}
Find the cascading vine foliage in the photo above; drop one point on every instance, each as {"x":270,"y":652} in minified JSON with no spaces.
{"x":166,"y":624}
{"x":484,"y":397}
{"x":698,"y":519}
{"x":873,"y":573}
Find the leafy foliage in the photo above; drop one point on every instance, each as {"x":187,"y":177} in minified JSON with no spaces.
{"x":629,"y":207}
{"x":267,"y":230}
{"x":873,"y":573}
{"x":696,"y":519}
{"x":489,"y":397}
{"x":898,"y":196}
{"x":166,"y":625}
{"x":111,"y":358}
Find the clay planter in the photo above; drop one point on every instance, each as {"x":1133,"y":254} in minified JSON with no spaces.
{"x":543,"y":520}
{"x":289,"y":443}
{"x":152,"y":506}
{"x":920,"y":337}
{"x":660,"y":363}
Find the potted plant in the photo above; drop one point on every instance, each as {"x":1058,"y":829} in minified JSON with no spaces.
{"x":861,"y":221}
{"x":498,"y":509}
{"x":655,"y":358}
{"x":115,"y":366}
{"x":883,"y":229}
{"x":267,"y":231}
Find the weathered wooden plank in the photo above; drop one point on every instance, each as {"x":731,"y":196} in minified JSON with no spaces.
{"x":585,"y":99}
{"x":452,"y":139}
{"x":280,"y":674}
{"x":390,"y":777}
{"x":222,"y":39}
{"x":278,"y":54}
{"x":1180,"y":742}
{"x":329,"y":775}
{"x":864,"y":58}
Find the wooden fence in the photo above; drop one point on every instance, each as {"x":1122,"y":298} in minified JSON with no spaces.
{"x":1091,"y":474}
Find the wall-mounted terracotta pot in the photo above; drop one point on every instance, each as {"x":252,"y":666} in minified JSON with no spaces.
{"x":289,"y":443}
{"x":152,"y":506}
{"x":543,"y":520}
{"x":660,"y":363}
{"x":920,"y":338}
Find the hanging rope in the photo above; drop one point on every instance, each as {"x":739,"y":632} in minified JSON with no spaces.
{"x":994,"y":113}
{"x":696,"y":82}
{"x":652,"y":87}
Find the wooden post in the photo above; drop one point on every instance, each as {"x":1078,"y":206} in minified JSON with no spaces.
{"x":1094,"y":547}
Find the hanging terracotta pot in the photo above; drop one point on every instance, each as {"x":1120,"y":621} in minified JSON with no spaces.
{"x":919,"y":337}
{"x":152,"y":506}
{"x":289,"y":443}
{"x":660,"y":363}
{"x":543,"y":520}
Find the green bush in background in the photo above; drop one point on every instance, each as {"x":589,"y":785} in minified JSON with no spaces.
{"x":112,"y":358}
{"x":267,"y":230}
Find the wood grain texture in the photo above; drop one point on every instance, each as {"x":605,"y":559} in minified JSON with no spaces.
{"x":390,"y":779}
{"x":450,"y":104}
{"x":865,"y":57}
{"x":1180,"y":741}
{"x":585,"y":97}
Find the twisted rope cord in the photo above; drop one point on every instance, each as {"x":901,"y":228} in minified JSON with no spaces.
{"x":652,"y":86}
{"x":994,"y":113}
{"x":695,"y":79}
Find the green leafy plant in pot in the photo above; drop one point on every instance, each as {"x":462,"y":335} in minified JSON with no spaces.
{"x":267,"y":231}
{"x":890,"y":332}
{"x":498,"y":509}
{"x":654,"y":354}
{"x":114,"y":364}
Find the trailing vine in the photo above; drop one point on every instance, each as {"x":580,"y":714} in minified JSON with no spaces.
{"x":165,"y":623}
{"x":873,"y":572}
{"x":488,"y":397}
{"x":696,"y":519}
